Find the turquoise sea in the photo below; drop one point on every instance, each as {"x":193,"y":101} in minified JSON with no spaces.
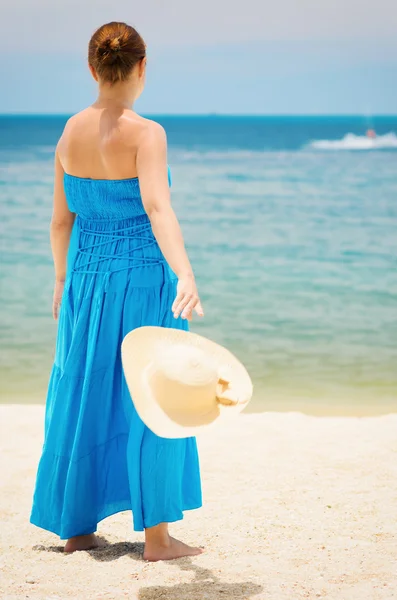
{"x":291,"y":225}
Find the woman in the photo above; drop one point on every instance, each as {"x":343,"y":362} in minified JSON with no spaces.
{"x":120,"y":263}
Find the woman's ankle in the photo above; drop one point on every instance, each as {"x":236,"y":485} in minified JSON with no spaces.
{"x":158,"y":535}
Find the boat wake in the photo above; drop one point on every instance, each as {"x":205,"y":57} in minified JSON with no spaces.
{"x":357,"y":142}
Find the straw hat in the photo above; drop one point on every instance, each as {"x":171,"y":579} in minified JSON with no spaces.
{"x":181,"y":382}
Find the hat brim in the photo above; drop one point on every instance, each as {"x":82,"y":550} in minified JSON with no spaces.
{"x":137,"y":351}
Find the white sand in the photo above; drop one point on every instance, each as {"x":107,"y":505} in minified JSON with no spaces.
{"x":295,"y":507}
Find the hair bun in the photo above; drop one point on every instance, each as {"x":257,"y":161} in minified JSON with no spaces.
{"x":108,"y":49}
{"x":115,"y":44}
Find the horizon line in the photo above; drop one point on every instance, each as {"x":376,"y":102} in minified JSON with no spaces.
{"x":216,"y":114}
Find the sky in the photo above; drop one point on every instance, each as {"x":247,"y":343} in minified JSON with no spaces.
{"x":212,"y":56}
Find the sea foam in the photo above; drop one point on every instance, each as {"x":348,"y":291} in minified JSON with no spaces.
{"x":357,"y":142}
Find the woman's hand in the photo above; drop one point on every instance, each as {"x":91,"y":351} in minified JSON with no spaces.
{"x":57,"y":299}
{"x":187,"y":299}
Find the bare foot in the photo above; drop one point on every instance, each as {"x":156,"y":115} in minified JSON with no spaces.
{"x":81,"y":542}
{"x":168,"y":551}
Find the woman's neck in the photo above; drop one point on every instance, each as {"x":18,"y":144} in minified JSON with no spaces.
{"x":118,"y":96}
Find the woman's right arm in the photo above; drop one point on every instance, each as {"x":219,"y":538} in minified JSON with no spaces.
{"x":152,"y":169}
{"x":60,"y":230}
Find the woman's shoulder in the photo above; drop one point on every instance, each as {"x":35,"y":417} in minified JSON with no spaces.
{"x":75,"y":123}
{"x":73,"y":128}
{"x":151,"y":133}
{"x":150,"y":127}
{"x":77,"y":119}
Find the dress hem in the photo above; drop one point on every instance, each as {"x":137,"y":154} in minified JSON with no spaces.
{"x":121,"y":507}
{"x":93,"y":528}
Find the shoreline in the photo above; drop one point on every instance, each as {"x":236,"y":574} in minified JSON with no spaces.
{"x":308,"y":407}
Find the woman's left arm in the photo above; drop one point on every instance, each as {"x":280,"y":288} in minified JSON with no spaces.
{"x":60,"y":230}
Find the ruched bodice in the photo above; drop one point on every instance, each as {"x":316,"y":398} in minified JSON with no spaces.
{"x":110,"y":199}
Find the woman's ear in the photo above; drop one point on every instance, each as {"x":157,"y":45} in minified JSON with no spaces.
{"x":142,"y":68}
{"x":93,"y":72}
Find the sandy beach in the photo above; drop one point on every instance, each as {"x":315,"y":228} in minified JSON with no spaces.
{"x":294,"y":507}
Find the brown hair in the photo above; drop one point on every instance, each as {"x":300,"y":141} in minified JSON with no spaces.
{"x":114,"y":50}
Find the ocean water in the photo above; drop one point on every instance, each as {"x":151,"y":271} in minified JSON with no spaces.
{"x":291,"y":226}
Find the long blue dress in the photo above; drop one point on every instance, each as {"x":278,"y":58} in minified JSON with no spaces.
{"x":98,"y":457}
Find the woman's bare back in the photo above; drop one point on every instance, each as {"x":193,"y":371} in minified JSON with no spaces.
{"x":102,"y":143}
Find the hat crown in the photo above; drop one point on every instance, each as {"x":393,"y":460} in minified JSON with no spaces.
{"x":184,"y":381}
{"x":187,"y":365}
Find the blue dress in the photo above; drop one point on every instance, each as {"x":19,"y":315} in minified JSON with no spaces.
{"x":98,"y":457}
